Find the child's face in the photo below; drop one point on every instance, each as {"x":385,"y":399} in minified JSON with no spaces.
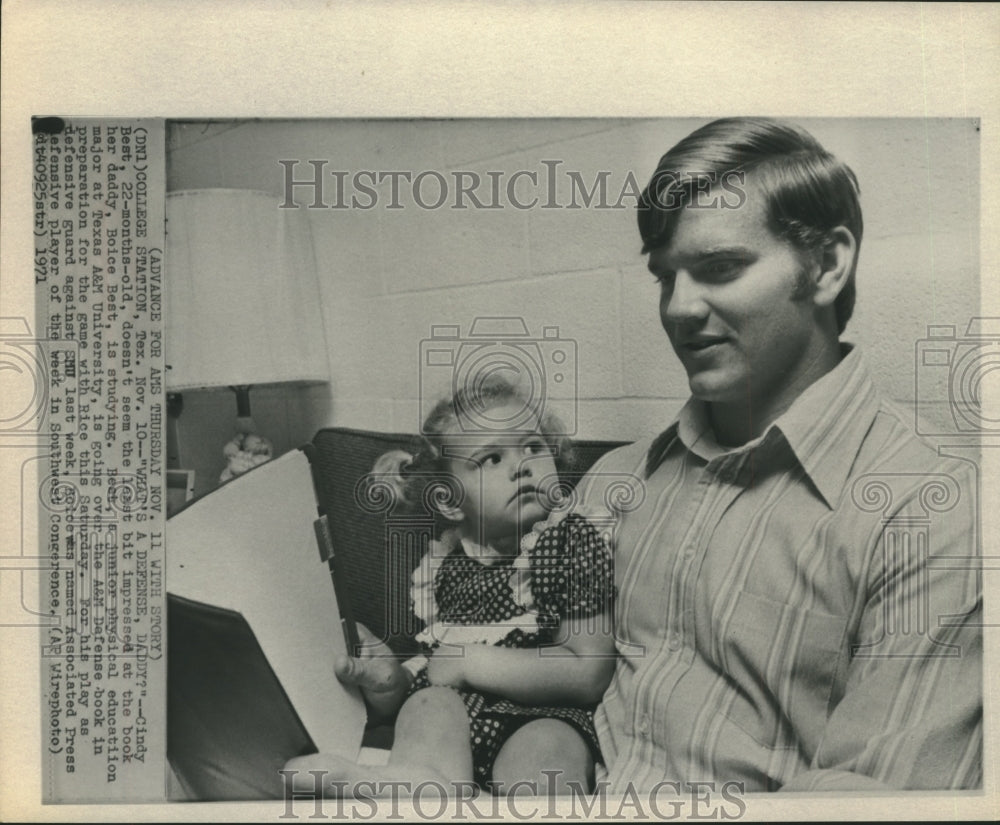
{"x":507,"y":482}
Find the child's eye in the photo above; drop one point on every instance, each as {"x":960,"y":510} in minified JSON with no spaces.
{"x":536,"y":447}
{"x":490,"y":459}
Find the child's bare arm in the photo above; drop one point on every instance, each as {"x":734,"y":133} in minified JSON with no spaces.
{"x":576,"y":671}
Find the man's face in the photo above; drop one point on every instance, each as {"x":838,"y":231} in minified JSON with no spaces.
{"x":727,"y":305}
{"x":507,"y":482}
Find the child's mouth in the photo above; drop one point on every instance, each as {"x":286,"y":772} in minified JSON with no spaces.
{"x":525,"y":491}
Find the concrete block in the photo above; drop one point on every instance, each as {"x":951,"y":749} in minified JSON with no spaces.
{"x":900,"y":293}
{"x":649,"y":366}
{"x":473,"y":141}
{"x":434,"y":248}
{"x":349,"y":255}
{"x":580,"y":310}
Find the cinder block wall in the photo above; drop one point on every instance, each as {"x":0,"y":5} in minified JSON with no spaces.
{"x":389,"y":274}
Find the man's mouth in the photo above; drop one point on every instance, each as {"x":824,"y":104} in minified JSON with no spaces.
{"x":702,"y":343}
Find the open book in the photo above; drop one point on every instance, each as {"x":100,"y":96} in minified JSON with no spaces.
{"x":253,"y":630}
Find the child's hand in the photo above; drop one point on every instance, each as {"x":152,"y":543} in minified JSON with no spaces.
{"x":382,"y":679}
{"x":448,"y":666}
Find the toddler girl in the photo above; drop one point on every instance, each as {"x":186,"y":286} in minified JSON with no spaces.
{"x":516,"y":597}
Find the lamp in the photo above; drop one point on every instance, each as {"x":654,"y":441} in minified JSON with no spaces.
{"x":242,"y":304}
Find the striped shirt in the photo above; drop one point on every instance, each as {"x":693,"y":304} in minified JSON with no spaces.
{"x":800,"y":613}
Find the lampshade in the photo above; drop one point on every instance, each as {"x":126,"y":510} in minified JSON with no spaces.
{"x":242,"y":294}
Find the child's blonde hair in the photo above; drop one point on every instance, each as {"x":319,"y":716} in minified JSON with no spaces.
{"x":409,"y":474}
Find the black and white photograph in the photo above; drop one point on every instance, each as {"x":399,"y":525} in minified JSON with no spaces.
{"x":784,"y":584}
{"x":481,"y":460}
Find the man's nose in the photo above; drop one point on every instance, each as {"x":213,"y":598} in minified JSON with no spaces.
{"x":683,"y":301}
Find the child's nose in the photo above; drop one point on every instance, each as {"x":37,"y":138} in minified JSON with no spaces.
{"x":520,"y":469}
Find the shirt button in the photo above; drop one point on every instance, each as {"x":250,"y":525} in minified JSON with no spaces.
{"x":644,"y":725}
{"x":689,"y":551}
{"x":674,"y":641}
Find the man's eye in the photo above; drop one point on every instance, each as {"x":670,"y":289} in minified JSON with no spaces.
{"x":492,"y":459}
{"x":722,"y":268}
{"x":663,"y":278}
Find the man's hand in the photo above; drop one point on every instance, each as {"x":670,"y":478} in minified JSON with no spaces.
{"x":448,"y":665}
{"x":382,"y":679}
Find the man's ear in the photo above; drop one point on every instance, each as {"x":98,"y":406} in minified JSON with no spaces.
{"x":836,"y":263}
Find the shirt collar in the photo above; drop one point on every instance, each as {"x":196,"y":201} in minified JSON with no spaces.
{"x":824,"y":427}
{"x":482,"y":553}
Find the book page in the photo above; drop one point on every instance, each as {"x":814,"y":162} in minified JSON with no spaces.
{"x":248,"y":550}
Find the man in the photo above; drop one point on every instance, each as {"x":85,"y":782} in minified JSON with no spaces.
{"x":795,"y":612}
{"x":798,"y":606}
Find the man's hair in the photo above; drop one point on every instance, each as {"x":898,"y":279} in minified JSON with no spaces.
{"x":809,"y":192}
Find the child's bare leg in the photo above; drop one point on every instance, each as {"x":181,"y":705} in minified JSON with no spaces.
{"x":431,"y":744}
{"x":432,"y":733}
{"x":545,"y":745}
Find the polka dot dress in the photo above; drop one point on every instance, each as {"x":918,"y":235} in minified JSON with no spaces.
{"x":570,"y":575}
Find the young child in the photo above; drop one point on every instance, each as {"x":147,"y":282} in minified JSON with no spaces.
{"x":516,"y":597}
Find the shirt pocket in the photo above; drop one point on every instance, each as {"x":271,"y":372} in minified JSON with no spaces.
{"x":781,"y":661}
